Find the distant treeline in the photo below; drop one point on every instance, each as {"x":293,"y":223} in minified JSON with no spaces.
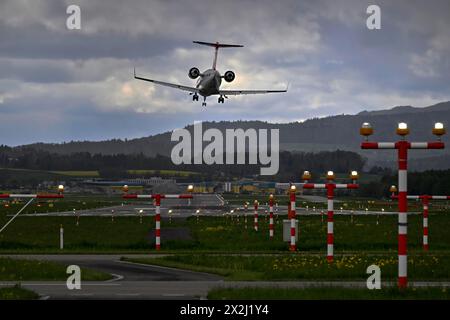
{"x":432,"y":182}
{"x":115,"y":166}
{"x":435,"y":182}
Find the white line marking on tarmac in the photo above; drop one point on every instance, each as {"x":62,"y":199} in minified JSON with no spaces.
{"x":117,"y":277}
{"x":64,"y":285}
{"x":173,"y":294}
{"x":167,"y":268}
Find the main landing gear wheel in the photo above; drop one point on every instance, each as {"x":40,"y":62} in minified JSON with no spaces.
{"x":195,"y":97}
{"x":221,"y":100}
{"x":204,"y":104}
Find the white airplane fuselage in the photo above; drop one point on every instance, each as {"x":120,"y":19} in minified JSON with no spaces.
{"x":209,"y":83}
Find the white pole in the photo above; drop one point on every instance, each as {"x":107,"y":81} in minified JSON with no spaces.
{"x":61,"y":237}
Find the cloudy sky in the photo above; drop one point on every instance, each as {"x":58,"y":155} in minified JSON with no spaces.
{"x":60,"y":85}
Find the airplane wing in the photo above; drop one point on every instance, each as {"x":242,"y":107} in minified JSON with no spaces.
{"x":239,"y":92}
{"x":168,"y":84}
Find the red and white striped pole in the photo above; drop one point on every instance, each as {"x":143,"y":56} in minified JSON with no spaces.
{"x":330,"y":222}
{"x":402,"y":147}
{"x":425,"y":206}
{"x":271,"y":217}
{"x":425,"y":202}
{"x":330,"y":186}
{"x":255,"y":220}
{"x":292,"y":190}
{"x":157,"y":198}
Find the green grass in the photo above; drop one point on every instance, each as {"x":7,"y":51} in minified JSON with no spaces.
{"x":331,"y":293}
{"x":26,"y":270}
{"x":91,"y":174}
{"x":17,"y":293}
{"x":218,"y":235}
{"x":305,"y":267}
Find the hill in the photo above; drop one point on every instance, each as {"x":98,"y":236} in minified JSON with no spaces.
{"x":313,"y":135}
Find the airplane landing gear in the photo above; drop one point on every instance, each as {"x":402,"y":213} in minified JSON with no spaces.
{"x":204,"y":102}
{"x":195,"y":97}
{"x":221,"y":100}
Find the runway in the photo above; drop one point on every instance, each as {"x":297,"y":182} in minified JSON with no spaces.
{"x":138,"y":281}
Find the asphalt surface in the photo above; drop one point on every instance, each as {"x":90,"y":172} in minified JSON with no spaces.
{"x":137,"y":281}
{"x":208,"y":204}
{"x":130,"y":280}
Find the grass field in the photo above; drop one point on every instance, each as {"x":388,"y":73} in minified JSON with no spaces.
{"x":212,"y":234}
{"x":306,"y":267}
{"x":17,"y":293}
{"x":328,"y":294}
{"x":22,"y":270}
{"x":87,"y":174}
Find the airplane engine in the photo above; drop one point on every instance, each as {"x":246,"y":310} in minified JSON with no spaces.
{"x":229,"y":76}
{"x":194,"y":73}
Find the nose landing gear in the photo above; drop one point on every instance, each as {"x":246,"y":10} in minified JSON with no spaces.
{"x":204,"y":102}
{"x":195,"y":97}
{"x":221,"y":99}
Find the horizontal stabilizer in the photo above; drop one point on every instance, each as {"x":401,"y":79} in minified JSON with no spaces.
{"x":218,"y":45}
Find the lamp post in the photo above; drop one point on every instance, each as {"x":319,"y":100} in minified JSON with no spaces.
{"x":190,"y":190}
{"x":292,"y":190}
{"x":140,"y":215}
{"x":292,"y":206}
{"x":330,"y":186}
{"x":157,"y":197}
{"x":402,"y":146}
{"x":271,"y":217}
{"x":245,"y":213}
{"x":425,"y":199}
{"x":255,"y":220}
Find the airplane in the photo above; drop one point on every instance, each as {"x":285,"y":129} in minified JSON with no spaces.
{"x":210,"y":80}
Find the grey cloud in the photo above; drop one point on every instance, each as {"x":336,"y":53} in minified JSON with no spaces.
{"x":78,"y":84}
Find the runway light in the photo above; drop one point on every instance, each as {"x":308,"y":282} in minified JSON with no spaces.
{"x":190,"y":188}
{"x":293,"y":188}
{"x":125,"y":188}
{"x":366,"y":130}
{"x":141,"y":211}
{"x":354,"y":175}
{"x":330,"y":175}
{"x":271,"y":196}
{"x":439,"y":129}
{"x":198,"y":211}
{"x":61,"y":188}
{"x":402,"y":129}
{"x":170,"y":211}
{"x":256,"y":202}
{"x":393,"y":189}
{"x":306,"y":175}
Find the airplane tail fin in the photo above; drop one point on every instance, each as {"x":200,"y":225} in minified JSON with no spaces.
{"x":216,"y":46}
